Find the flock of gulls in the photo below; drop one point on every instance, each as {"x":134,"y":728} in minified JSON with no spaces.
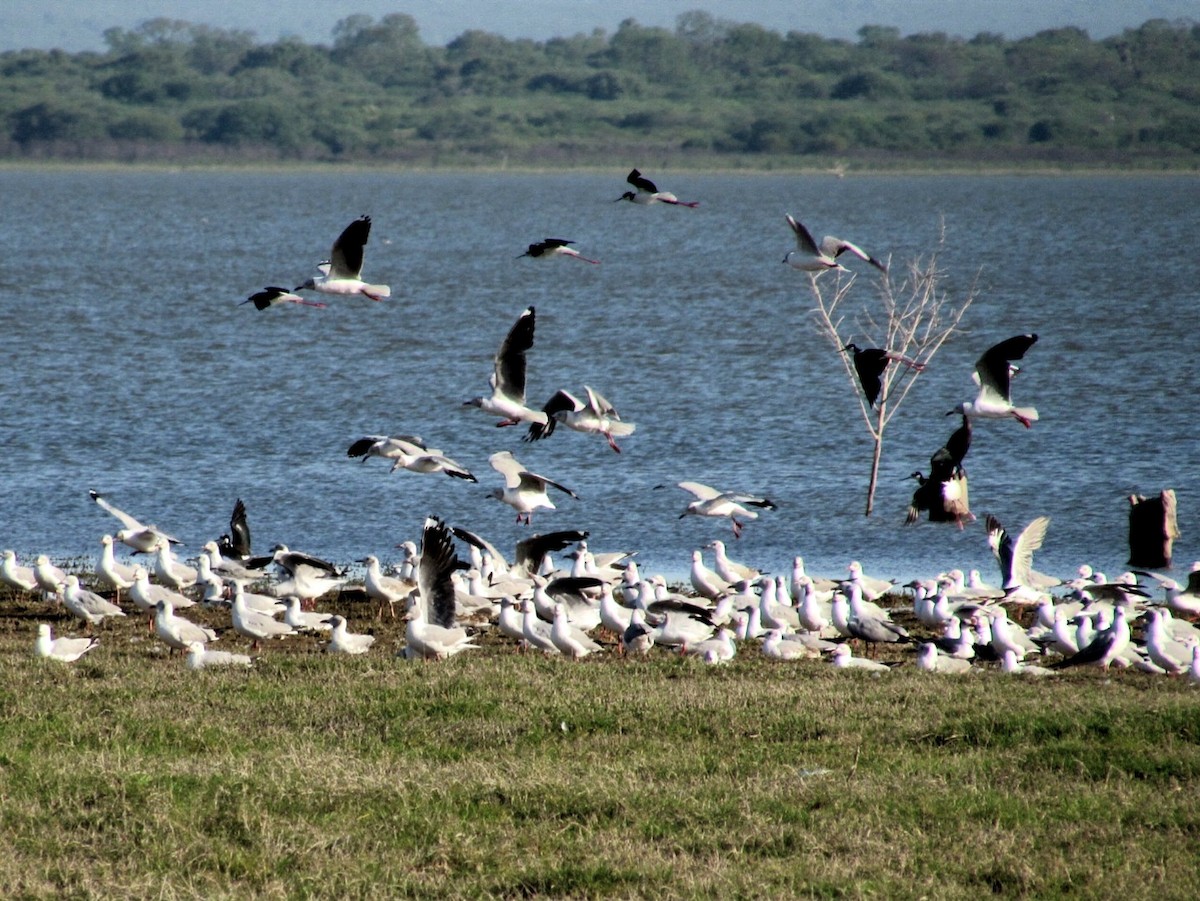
{"x":456,"y":590}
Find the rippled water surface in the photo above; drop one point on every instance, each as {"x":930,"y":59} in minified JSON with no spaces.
{"x":129,"y":367}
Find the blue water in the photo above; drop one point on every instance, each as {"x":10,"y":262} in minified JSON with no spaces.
{"x":129,"y":367}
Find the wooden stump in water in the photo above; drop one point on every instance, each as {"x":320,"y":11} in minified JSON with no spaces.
{"x":1152,"y":530}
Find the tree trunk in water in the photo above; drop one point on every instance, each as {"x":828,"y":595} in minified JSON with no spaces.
{"x":875,"y":462}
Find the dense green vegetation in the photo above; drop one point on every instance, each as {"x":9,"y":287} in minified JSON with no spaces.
{"x":499,"y":775}
{"x":709,"y":90}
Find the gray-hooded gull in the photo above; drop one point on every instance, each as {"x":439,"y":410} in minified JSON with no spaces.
{"x":64,"y":650}
{"x":596,"y":416}
{"x":143,"y":538}
{"x":731,"y":505}
{"x":345,"y":265}
{"x":507,"y":380}
{"x":431,"y":630}
{"x":811,"y":257}
{"x":993,"y":373}
{"x":408,"y":452}
{"x":523,"y":490}
{"x":273,"y":296}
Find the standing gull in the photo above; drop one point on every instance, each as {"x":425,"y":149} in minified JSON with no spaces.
{"x":507,"y":399}
{"x":16,"y":576}
{"x":87,"y":605}
{"x":550,"y":248}
{"x":345,"y":265}
{"x":809,"y":257}
{"x":647,"y":192}
{"x":64,"y":650}
{"x":523,"y":490}
{"x":993,"y":374}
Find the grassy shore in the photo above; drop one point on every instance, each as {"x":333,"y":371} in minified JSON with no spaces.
{"x":500,"y":775}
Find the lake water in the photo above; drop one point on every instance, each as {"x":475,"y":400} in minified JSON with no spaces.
{"x":128,"y":366}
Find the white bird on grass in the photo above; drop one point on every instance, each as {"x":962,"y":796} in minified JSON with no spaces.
{"x":87,"y":605}
{"x":171,"y":572}
{"x":384,"y":589}
{"x":303,"y":620}
{"x":49,"y":577}
{"x":109,"y":571}
{"x":570,"y":640}
{"x":345,"y":265}
{"x":178,"y":633}
{"x":344,"y":642}
{"x":64,"y":650}
{"x":842,"y":659}
{"x":929,"y":660}
{"x":199,"y":657}
{"x":16,"y":576}
{"x":254,"y":625}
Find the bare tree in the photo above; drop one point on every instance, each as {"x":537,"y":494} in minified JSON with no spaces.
{"x":909,"y":320}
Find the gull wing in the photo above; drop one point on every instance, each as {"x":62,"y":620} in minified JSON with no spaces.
{"x":600,"y":404}
{"x":508,"y":376}
{"x":128,"y":521}
{"x":560,"y":402}
{"x":1028,"y":541}
{"x":239,"y":531}
{"x":531,"y":550}
{"x":804,"y":238}
{"x":992,"y":370}
{"x":701,"y":492}
{"x":835,"y":247}
{"x":508,"y":466}
{"x":346,"y":257}
{"x":537,"y":482}
{"x":483,"y":544}
{"x":640,"y":182}
{"x":438,"y":563}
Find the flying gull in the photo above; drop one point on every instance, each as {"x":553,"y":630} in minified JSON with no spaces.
{"x":993,"y":373}
{"x":523,"y":490}
{"x":597,"y":416}
{"x":345,"y":265}
{"x":729,"y":504}
{"x":274,"y":296}
{"x":869,"y":364}
{"x":408,"y":452}
{"x":809,"y":257}
{"x":507,"y":399}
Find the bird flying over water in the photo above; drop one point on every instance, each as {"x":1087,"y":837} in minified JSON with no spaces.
{"x":993,"y":374}
{"x":647,"y":192}
{"x":596,"y":416}
{"x":274,"y":296}
{"x":811,"y":257}
{"x":507,"y":399}
{"x":731,"y":504}
{"x":344,"y":275}
{"x":523,"y":490}
{"x":550,"y":248}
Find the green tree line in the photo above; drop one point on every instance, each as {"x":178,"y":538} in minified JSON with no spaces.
{"x":707,"y":89}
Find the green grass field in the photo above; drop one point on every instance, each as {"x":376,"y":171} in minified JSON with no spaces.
{"x":496,"y":774}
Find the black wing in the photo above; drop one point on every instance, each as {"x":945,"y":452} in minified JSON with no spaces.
{"x":239,"y":530}
{"x":346,"y":258}
{"x":992,"y":367}
{"x":438,"y":563}
{"x":560,"y":401}
{"x":266,"y":297}
{"x":1002,"y":547}
{"x":640,"y":182}
{"x":959,"y":443}
{"x":870,"y":363}
{"x":531,"y":550}
{"x":510,"y":359}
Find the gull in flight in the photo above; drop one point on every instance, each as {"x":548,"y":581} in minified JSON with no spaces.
{"x":869,"y":364}
{"x":507,"y":399}
{"x":523,"y":490}
{"x":273,"y":296}
{"x":598,"y":416}
{"x":144,"y":539}
{"x":345,"y":265}
{"x":647,"y":192}
{"x":809,"y":257}
{"x":730,"y":504}
{"x":64,"y":650}
{"x":408,"y":452}
{"x":993,"y":374}
{"x":550,"y":248}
